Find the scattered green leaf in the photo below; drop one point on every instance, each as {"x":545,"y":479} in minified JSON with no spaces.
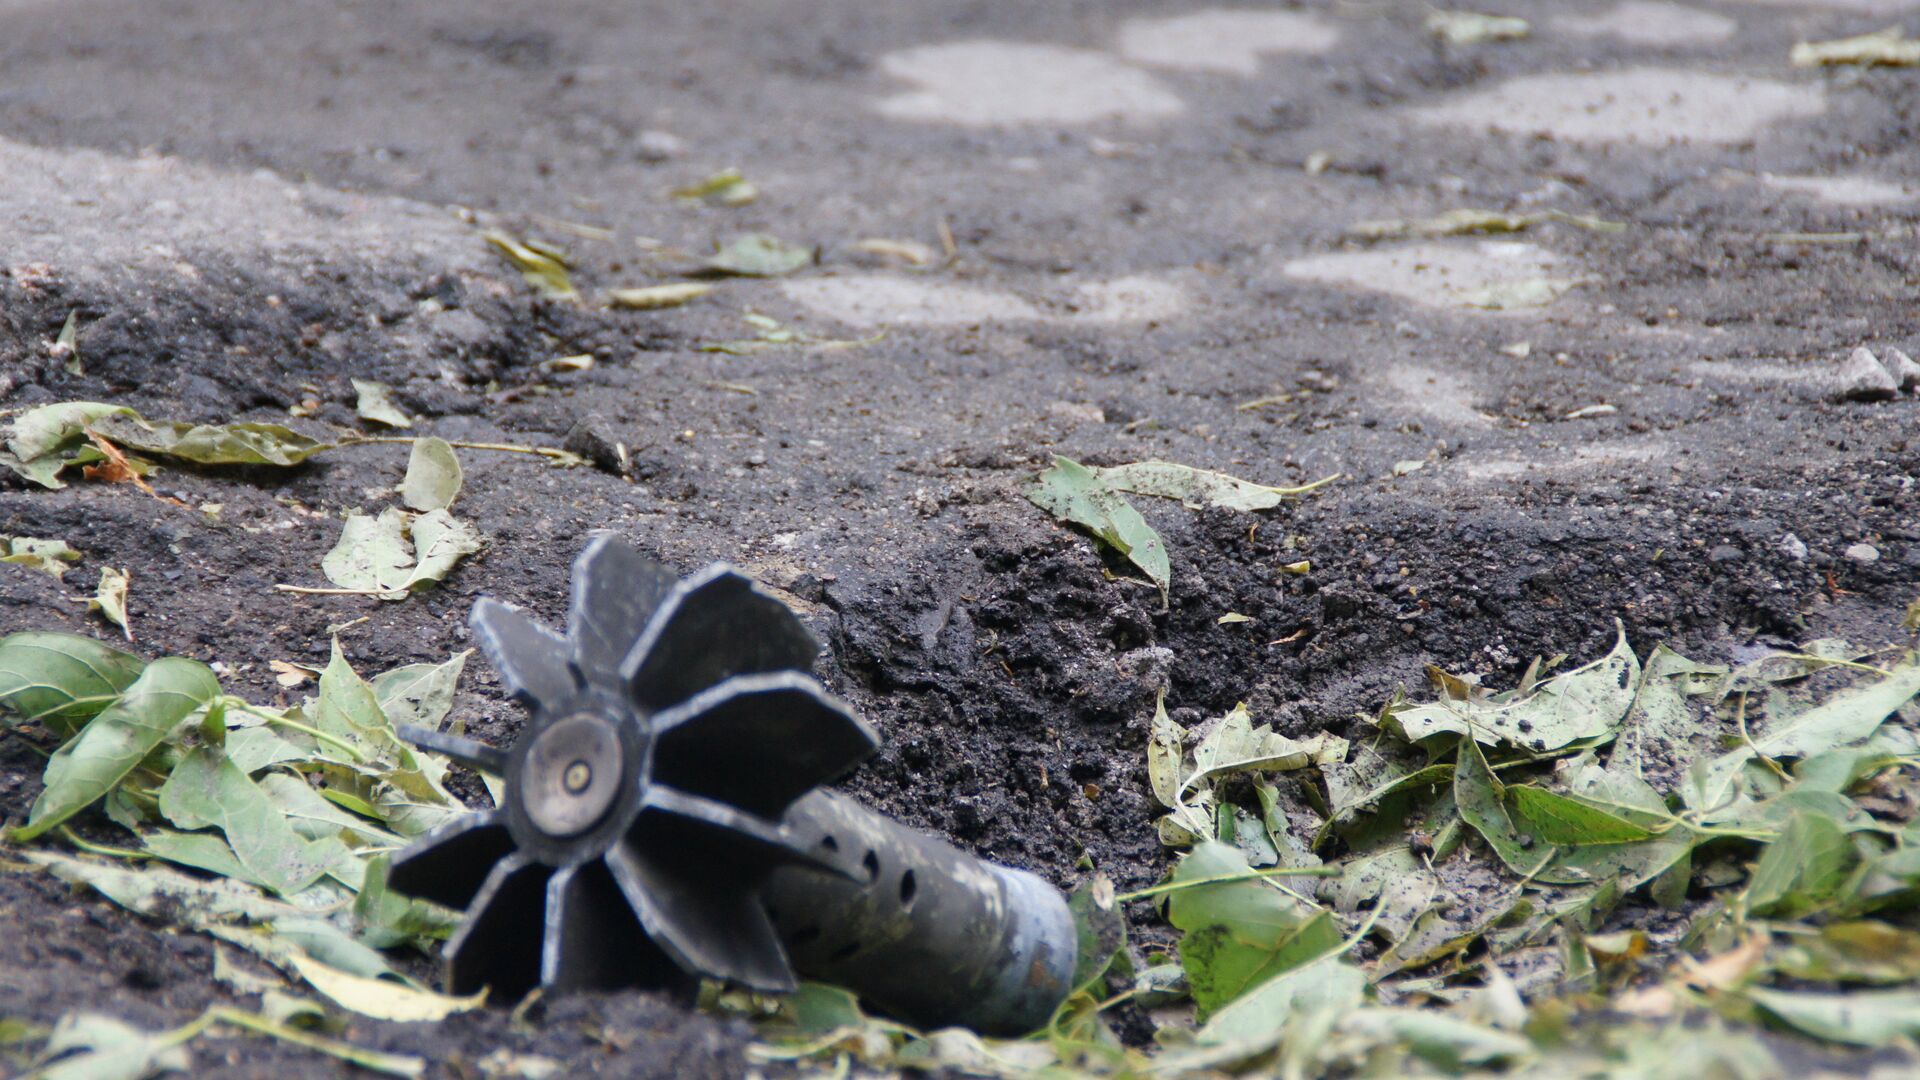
{"x":110,"y":599}
{"x":66,"y":347}
{"x":210,"y":444}
{"x":655,"y":297}
{"x":1239,"y":934}
{"x":1861,"y":1018}
{"x":1469,"y":28}
{"x":207,"y":790}
{"x":374,"y":401}
{"x":542,"y":268}
{"x":1076,"y":494}
{"x":167,"y":692}
{"x":1521,"y":293}
{"x":47,"y":556}
{"x":1478,"y":795}
{"x":433,"y":476}
{"x":1197,"y":487}
{"x":1468,"y":222}
{"x":1186,"y":786}
{"x":1883,"y":48}
{"x":1556,"y":819}
{"x":382,"y":999}
{"x":724,"y":188}
{"x":397,"y":552}
{"x":90,"y":1046}
{"x":757,"y":255}
{"x":1583,"y":705}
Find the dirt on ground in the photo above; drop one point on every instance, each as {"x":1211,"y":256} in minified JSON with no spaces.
{"x":248,"y":207}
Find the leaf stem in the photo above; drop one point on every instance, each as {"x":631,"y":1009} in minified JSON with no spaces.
{"x":375,"y":1060}
{"x":1740,"y":719}
{"x":1225,"y":879}
{"x":560,"y":457}
{"x":1304,"y":488}
{"x":1827,"y":661}
{"x":352,"y":751}
{"x":92,"y":848}
{"x":87,"y":699}
{"x":306,"y":590}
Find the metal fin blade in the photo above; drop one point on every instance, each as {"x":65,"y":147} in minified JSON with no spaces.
{"x":616,"y":590}
{"x":531,"y":659}
{"x":711,"y":627}
{"x":711,"y":924}
{"x":594,"y":941}
{"x":729,"y":838}
{"x":450,"y":864}
{"x":759,"y":741}
{"x":472,"y":753}
{"x":494,"y":947}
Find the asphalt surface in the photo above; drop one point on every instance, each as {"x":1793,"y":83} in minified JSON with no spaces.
{"x":1111,"y":232}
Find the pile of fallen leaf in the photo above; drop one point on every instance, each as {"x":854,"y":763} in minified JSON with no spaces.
{"x":393,"y":554}
{"x":1095,"y":499}
{"x":1630,"y":868}
{"x":1505,"y":883}
{"x":267,"y":829}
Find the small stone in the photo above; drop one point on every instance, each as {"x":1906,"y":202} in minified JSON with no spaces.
{"x":1862,"y":554}
{"x":1906,"y":373}
{"x":1860,"y":378}
{"x":589,"y":437}
{"x":1076,"y":412}
{"x":1725,"y":553}
{"x":658,"y":146}
{"x":1793,"y":548}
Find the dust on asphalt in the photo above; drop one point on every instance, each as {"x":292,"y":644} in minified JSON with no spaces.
{"x":248,"y":210}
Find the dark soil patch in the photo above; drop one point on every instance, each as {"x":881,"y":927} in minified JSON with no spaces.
{"x":1009,"y":671}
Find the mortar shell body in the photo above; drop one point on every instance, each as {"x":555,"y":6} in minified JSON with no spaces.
{"x":930,"y":933}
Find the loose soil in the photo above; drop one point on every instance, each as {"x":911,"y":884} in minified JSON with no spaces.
{"x":249,"y":207}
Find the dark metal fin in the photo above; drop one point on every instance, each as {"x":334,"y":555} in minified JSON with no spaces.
{"x":472,"y":753}
{"x":759,"y":741}
{"x":494,"y":947}
{"x":594,"y":941}
{"x":710,"y":924}
{"x":450,"y":864}
{"x":711,"y":627}
{"x":531,"y":659}
{"x":616,"y":591}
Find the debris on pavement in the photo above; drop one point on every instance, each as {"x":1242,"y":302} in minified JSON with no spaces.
{"x":110,"y":599}
{"x":49,"y":556}
{"x":66,"y":347}
{"x":1860,"y":377}
{"x":654,"y":297}
{"x":1883,"y":48}
{"x":1470,"y":28}
{"x":542,"y":267}
{"x":1904,"y":371}
{"x":374,"y":401}
{"x":724,"y":188}
{"x":757,"y":255}
{"x":1523,"y":293}
{"x":1282,"y":210}
{"x":906,"y":252}
{"x":1468,"y":222}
